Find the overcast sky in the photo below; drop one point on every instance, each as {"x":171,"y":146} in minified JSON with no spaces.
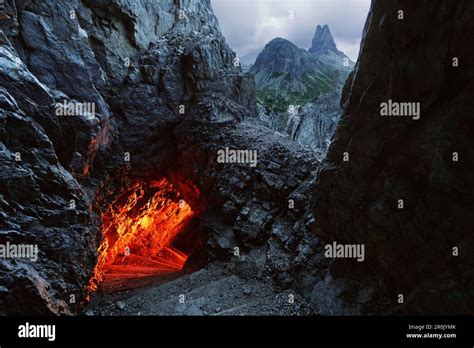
{"x":249,"y":25}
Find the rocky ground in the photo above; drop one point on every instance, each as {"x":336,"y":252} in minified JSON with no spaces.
{"x":219,"y":289}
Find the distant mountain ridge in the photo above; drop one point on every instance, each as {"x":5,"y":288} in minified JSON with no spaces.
{"x":288,"y":75}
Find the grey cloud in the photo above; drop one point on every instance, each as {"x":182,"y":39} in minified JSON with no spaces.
{"x":249,"y":24}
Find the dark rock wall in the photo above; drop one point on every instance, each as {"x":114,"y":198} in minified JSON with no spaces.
{"x":409,"y":59}
{"x":41,"y":202}
{"x":138,"y":61}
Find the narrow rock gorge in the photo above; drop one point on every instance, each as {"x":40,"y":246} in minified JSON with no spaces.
{"x":132,"y":210}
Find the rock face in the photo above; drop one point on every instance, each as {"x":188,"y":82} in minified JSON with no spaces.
{"x":157,"y":69}
{"x":262,"y":210}
{"x":39,"y":198}
{"x":315,"y":123}
{"x":406,"y":190}
{"x":140,"y":64}
{"x":312,"y":125}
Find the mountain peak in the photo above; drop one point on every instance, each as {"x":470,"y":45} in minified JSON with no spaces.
{"x":323,"y":41}
{"x":282,"y":55}
{"x":279,"y":42}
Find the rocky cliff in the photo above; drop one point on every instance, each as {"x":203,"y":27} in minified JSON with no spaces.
{"x":311,"y":125}
{"x":41,"y":201}
{"x":314,"y":124}
{"x":399,"y":185}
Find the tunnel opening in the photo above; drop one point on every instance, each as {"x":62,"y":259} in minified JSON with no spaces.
{"x":149,"y":230}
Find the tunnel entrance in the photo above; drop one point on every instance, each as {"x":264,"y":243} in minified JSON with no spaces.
{"x":149,"y":230}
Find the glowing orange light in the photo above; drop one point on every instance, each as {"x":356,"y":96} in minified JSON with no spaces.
{"x":138,"y":228}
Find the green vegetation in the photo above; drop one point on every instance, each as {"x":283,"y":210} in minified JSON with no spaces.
{"x":280,"y":97}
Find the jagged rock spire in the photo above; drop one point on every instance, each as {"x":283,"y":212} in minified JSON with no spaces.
{"x":323,"y":40}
